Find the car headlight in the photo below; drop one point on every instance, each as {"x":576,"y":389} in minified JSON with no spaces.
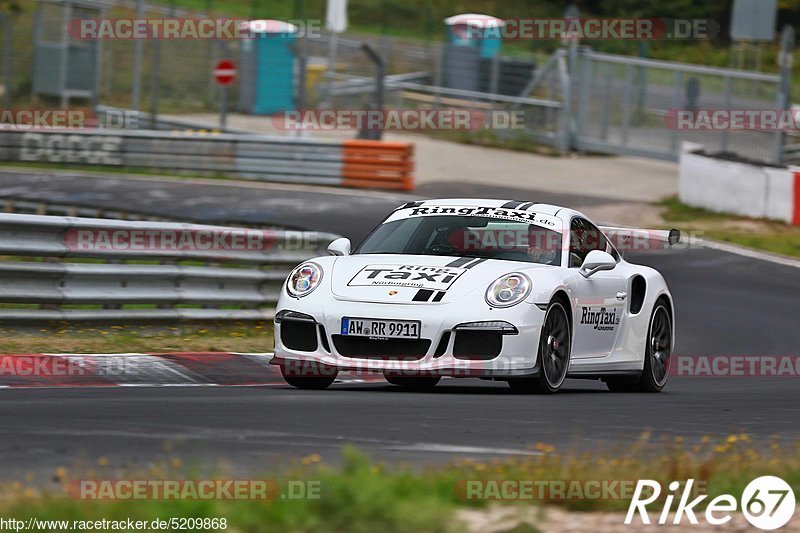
{"x":509,"y":290}
{"x":304,"y":279}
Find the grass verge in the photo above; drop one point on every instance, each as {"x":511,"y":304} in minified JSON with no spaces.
{"x":70,"y":338}
{"x":362,"y":495}
{"x":762,"y":234}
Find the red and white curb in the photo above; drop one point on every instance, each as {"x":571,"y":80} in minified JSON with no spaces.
{"x":175,"y":369}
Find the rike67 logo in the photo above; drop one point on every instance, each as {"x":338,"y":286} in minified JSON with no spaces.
{"x":768,"y":503}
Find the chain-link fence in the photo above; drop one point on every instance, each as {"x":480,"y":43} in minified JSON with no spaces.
{"x":577,"y":99}
{"x":631,"y":105}
{"x":176,"y":71}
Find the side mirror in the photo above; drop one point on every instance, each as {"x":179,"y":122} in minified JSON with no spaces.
{"x":674,"y":237}
{"x":596,"y":261}
{"x":340,"y":246}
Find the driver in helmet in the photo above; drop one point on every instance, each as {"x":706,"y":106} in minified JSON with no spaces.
{"x":541,"y":248}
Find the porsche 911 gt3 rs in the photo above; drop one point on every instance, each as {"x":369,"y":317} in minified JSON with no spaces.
{"x":524,"y":292}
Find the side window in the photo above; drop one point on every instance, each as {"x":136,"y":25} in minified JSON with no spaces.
{"x":583,"y":238}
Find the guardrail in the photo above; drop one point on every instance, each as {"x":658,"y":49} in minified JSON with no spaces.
{"x":128,"y":118}
{"x":89,"y":269}
{"x":352,"y":163}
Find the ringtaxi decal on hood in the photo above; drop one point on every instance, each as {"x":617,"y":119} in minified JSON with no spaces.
{"x":416,"y":276}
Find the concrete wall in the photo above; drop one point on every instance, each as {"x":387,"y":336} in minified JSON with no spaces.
{"x":739,"y":188}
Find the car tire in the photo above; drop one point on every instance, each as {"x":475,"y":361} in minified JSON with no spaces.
{"x":309,"y":380}
{"x":554,"y":352}
{"x":657,"y":355}
{"x":416,"y":383}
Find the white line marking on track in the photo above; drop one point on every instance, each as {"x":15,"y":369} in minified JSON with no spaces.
{"x":740,"y":250}
{"x":447,"y":448}
{"x":752,"y":254}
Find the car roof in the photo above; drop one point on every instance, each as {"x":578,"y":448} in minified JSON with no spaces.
{"x":538,"y":207}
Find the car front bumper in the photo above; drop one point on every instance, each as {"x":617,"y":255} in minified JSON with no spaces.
{"x":447,"y":352}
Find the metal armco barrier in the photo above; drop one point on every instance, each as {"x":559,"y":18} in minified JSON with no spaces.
{"x":352,"y":163}
{"x":179,"y":271}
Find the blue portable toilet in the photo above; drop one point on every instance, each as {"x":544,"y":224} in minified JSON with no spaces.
{"x":268,"y":69}
{"x":474,"y":30}
{"x":471,"y":38}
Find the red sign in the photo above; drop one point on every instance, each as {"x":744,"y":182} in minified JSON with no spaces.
{"x":225,"y":72}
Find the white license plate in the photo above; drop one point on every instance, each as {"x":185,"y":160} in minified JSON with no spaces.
{"x":383,"y":329}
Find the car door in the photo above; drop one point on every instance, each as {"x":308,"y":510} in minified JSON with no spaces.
{"x":599,"y":301}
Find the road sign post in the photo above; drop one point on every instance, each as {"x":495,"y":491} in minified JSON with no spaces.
{"x":224,"y":75}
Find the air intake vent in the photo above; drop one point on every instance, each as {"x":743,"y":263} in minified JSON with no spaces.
{"x":299,"y":335}
{"x":477,"y":345}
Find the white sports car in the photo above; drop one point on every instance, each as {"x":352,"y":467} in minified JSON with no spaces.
{"x":523,"y":292}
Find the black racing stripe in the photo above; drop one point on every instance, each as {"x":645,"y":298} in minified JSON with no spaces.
{"x":511,"y":205}
{"x":423,"y":295}
{"x":526,"y":205}
{"x":475,"y":262}
{"x":438,"y":297}
{"x":459,"y":262}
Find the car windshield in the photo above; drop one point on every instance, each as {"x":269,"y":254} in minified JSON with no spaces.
{"x":466,"y":236}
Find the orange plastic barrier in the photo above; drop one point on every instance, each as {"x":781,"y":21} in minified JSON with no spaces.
{"x":378,"y":165}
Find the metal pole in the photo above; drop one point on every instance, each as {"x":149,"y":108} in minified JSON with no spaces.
{"x":136,"y":91}
{"x":154,"y":84}
{"x":97,"y":53}
{"x":785,"y":88}
{"x":6,"y":61}
{"x":332,"y":45}
{"x":376,"y":58}
{"x":494,"y":75}
{"x":223,"y":110}
{"x":223,"y":95}
{"x":606,"y":120}
{"x":676,"y":103}
{"x":438,"y":73}
{"x":37,"y":35}
{"x":725,"y":140}
{"x":626,"y":110}
{"x":302,"y":63}
{"x":64,"y":67}
{"x":566,"y":80}
{"x":156,"y":75}
{"x":587,"y":76}
{"x":212,"y":60}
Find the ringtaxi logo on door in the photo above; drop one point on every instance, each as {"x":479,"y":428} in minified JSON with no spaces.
{"x":768,"y":503}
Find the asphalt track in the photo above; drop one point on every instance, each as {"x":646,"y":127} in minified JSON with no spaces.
{"x":726,"y":304}
{"x":351,"y":213}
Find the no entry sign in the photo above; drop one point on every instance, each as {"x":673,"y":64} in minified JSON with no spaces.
{"x":225,"y":72}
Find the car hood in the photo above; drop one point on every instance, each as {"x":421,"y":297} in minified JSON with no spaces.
{"x":417,"y":279}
